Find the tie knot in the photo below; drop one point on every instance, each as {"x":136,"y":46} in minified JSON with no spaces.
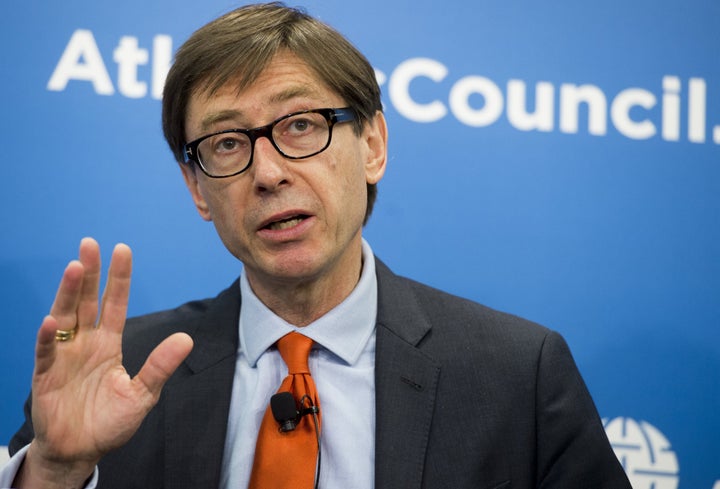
{"x":295,"y":349}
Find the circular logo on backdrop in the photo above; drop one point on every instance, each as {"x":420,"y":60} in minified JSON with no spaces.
{"x":644,"y":452}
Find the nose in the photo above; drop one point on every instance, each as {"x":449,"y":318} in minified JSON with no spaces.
{"x":269,"y":168}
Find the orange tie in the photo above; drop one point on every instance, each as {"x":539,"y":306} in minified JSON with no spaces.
{"x":288,"y":459}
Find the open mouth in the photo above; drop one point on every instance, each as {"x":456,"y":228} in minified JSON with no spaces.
{"x":286,"y":223}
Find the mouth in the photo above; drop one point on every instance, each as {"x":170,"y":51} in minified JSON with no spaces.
{"x":285,"y":223}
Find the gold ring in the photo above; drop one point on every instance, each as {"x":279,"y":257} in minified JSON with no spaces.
{"x":65,"y":334}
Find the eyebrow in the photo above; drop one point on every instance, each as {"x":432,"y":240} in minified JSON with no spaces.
{"x":293,"y":92}
{"x":283,"y":96}
{"x":222,"y":116}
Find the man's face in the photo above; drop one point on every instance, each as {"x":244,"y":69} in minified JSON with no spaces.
{"x":291,"y":222}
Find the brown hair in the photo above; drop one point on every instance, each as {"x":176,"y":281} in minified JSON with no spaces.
{"x":238,"y":46}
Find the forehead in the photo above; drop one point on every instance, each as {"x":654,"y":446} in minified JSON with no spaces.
{"x":286,"y":84}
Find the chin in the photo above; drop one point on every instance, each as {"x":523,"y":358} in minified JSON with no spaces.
{"x":290,"y":267}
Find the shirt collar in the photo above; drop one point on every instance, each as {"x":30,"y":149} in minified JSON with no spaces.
{"x":344,"y":330}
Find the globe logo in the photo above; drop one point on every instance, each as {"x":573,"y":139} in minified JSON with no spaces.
{"x":644,"y":453}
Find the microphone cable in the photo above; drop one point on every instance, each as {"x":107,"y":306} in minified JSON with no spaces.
{"x":314,"y":410}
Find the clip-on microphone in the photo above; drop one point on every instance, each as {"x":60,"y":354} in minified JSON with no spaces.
{"x":285,"y":410}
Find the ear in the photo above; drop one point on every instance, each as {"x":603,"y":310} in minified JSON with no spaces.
{"x":375,"y":136}
{"x":191,"y":180}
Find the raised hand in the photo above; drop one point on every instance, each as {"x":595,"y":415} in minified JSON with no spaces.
{"x":84,"y":403}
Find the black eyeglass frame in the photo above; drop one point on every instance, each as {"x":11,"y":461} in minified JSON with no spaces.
{"x":332,"y":116}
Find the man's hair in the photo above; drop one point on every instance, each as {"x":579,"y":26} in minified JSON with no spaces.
{"x":239,"y":45}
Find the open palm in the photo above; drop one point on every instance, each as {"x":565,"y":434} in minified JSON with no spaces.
{"x":84,"y":403}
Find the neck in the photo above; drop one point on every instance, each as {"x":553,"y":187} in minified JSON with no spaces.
{"x":300,"y":302}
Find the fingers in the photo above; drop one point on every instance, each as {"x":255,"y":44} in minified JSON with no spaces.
{"x":76,"y":301}
{"x":117,"y":290}
{"x":87,"y":309}
{"x":45,"y":346}
{"x":162,"y":362}
{"x":64,"y":308}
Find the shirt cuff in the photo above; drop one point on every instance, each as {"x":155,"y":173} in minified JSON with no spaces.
{"x":10,"y":470}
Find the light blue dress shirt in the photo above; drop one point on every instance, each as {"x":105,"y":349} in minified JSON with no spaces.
{"x":342,"y":364}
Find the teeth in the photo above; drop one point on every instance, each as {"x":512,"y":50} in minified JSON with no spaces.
{"x":285,"y":224}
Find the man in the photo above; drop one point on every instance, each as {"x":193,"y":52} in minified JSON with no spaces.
{"x":276,"y":122}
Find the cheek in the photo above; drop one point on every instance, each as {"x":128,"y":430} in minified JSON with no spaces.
{"x":224,"y":204}
{"x":352,"y":190}
{"x":349,"y":165}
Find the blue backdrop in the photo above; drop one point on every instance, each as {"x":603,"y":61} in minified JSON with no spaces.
{"x":559,"y":160}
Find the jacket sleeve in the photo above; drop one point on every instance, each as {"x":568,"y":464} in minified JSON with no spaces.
{"x":25,"y":434}
{"x":572,"y":447}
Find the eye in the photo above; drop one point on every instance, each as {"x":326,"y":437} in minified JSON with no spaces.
{"x":302,"y":125}
{"x":229,"y":143}
{"x":299,"y":126}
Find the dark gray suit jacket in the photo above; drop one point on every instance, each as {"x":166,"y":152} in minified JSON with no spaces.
{"x":466,"y":397}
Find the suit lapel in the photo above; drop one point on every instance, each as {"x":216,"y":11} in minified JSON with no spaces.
{"x":405,"y":385}
{"x":197,"y":401}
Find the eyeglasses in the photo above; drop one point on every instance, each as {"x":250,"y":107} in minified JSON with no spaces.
{"x":295,"y":136}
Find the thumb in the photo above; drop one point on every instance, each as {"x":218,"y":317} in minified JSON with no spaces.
{"x":162,"y":362}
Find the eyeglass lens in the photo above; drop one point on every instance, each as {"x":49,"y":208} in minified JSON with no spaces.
{"x":296,"y":136}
